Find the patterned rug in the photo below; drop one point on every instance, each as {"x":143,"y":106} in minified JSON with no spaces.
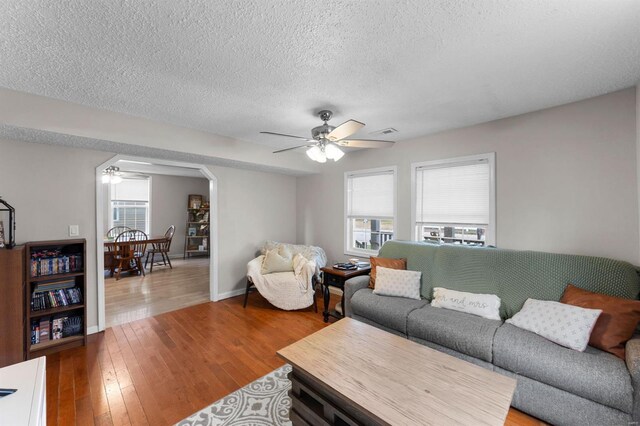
{"x":263,"y":402}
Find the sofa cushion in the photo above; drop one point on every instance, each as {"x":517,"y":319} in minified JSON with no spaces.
{"x":484,"y":305}
{"x":388,"y":311}
{"x":616,"y":324}
{"x":384,"y":262}
{"x":558,"y":407}
{"x":473,"y":360}
{"x":594,"y":374}
{"x":380,"y":326}
{"x":397,"y":283}
{"x":462,"y":332}
{"x":566,"y":325}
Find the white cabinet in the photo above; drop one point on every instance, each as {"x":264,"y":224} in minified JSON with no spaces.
{"x":27,"y":406}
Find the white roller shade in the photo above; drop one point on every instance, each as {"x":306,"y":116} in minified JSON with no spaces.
{"x":370,"y":195}
{"x":454,"y":193}
{"x":131,"y":190}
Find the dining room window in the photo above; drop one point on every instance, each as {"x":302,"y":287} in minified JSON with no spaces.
{"x":130,"y":203}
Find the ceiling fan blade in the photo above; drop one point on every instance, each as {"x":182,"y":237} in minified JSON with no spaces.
{"x":344,"y":130}
{"x":289,"y":149}
{"x":364,"y":143}
{"x":287,"y":136}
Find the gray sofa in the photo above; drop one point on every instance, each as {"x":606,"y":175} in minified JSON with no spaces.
{"x":554,"y":384}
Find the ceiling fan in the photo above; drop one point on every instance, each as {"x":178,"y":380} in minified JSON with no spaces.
{"x":326,"y":139}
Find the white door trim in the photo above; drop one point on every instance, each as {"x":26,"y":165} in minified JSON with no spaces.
{"x":213,"y":226}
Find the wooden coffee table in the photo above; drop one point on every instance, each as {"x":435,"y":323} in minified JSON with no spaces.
{"x":351,"y":373}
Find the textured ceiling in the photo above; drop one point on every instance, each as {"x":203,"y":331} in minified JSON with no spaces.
{"x":238,"y":67}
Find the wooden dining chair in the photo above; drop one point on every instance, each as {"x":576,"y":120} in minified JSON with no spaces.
{"x":115,"y":231}
{"x":112,"y":234}
{"x":129,"y":248}
{"x":162,"y":249}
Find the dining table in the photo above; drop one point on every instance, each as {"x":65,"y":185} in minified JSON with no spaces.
{"x":109,"y":248}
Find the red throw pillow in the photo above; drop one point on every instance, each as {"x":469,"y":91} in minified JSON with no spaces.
{"x":617,"y":322}
{"x":385,"y":263}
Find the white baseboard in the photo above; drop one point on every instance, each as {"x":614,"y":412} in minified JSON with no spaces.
{"x":92,"y":329}
{"x":232,"y":293}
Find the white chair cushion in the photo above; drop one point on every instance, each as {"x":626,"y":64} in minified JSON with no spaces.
{"x":274,"y":262}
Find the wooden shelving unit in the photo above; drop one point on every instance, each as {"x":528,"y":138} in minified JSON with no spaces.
{"x":197,"y":219}
{"x":12,"y":305}
{"x":64,"y":248}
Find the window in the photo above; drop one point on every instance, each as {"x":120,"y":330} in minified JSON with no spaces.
{"x":454,"y":200}
{"x":370,"y":210}
{"x":130,"y":204}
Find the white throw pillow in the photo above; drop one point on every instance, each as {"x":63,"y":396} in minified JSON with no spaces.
{"x":397,"y":282}
{"x":298,"y":263}
{"x":285,"y":251}
{"x":273,"y":262}
{"x":483,"y":305}
{"x":566,"y":325}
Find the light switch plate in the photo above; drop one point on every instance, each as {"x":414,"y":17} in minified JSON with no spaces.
{"x":74,"y":230}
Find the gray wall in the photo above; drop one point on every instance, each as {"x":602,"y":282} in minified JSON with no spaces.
{"x":566,"y":180}
{"x":53,"y":187}
{"x":253,"y":207}
{"x":169,"y":198}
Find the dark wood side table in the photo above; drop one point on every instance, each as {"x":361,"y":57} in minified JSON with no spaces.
{"x":336,"y":278}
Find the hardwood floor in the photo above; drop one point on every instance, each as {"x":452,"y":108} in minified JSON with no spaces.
{"x":161,"y":369}
{"x":134,"y":297}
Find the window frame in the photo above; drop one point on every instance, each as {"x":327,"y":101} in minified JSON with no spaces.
{"x":149,"y":180}
{"x":350,"y":251}
{"x":490,"y":157}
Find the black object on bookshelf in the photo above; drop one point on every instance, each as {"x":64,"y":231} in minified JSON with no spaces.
{"x":55,"y":293}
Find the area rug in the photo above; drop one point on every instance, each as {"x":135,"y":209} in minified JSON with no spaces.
{"x":263,"y":402}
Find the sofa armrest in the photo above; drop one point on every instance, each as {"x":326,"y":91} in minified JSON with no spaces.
{"x":350,"y":288}
{"x":632,"y":355}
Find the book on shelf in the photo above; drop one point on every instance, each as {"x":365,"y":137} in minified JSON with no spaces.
{"x":47,"y":297}
{"x":35,"y":332}
{"x":51,"y":262}
{"x":44,"y":328}
{"x":55,"y":328}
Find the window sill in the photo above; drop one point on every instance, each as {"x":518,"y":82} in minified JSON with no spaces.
{"x":363,"y":254}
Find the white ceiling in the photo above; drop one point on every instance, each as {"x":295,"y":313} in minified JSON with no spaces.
{"x":238,"y":67}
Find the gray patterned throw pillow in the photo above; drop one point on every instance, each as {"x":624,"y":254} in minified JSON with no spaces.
{"x":397,"y":282}
{"x":566,"y":325}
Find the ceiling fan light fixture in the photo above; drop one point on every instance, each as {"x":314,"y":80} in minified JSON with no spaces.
{"x":111,"y":175}
{"x":314,"y":153}
{"x":333,"y":152}
{"x":326,"y":139}
{"x":317,"y":153}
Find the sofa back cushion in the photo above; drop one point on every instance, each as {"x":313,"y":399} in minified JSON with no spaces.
{"x":513,"y":275}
